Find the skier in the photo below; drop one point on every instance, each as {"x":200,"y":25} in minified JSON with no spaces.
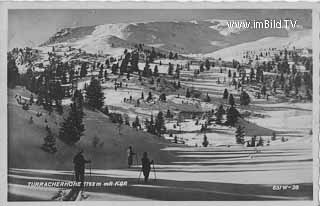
{"x":79,"y":166}
{"x":130,"y":156}
{"x":146,"y":166}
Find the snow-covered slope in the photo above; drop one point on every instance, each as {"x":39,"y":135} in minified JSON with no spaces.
{"x":298,"y":39}
{"x":99,"y":40}
{"x":203,"y":36}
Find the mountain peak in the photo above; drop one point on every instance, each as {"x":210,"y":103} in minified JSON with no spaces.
{"x":185,"y":37}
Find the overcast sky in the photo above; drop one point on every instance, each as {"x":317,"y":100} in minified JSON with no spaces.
{"x":33,"y":27}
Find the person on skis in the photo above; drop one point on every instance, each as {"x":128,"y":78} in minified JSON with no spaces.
{"x":146,"y":166}
{"x":130,"y":156}
{"x":79,"y":166}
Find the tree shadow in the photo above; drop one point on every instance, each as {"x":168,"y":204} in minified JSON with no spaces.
{"x":172,"y":190}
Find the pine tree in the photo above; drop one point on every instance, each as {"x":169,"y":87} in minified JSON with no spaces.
{"x":260,"y":142}
{"x":100,"y":72}
{"x":150,"y":125}
{"x":83,"y":70}
{"x":253,"y":141}
{"x":170,"y":55}
{"x":106,"y":110}
{"x":232,"y":116}
{"x":94,"y":94}
{"x":234,"y":74}
{"x":252,"y":74}
{"x":105,"y":75}
{"x":163,"y":97}
{"x":207,"y":64}
{"x":244,"y":98}
{"x":175,"y":139}
{"x":107,"y":63}
{"x":136,"y":123}
{"x":28,"y":77}
{"x":225,"y":94}
{"x":114,"y":69}
{"x":231,"y":100}
{"x":219,"y":114}
{"x":170,"y":69}
{"x":188,"y":95}
{"x":274,"y":136}
{"x":72,"y":127}
{"x":49,"y":144}
{"x":177,"y":75}
{"x":152,"y":55}
{"x":149,"y":98}
{"x":13,"y":72}
{"x":207,"y":99}
{"x":152,"y":81}
{"x":156,"y":71}
{"x":201,"y":67}
{"x":240,"y":135}
{"x":264,"y":90}
{"x":297,"y":82}
{"x":168,"y":115}
{"x":126,"y":119}
{"x":57,"y":95}
{"x":160,"y":124}
{"x":124,"y":63}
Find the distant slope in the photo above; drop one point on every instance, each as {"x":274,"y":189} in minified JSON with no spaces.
{"x":299,"y":39}
{"x":183,"y":37}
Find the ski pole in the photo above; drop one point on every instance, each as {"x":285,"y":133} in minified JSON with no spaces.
{"x":137,"y":159}
{"x":139,"y":175}
{"x":154,"y":171}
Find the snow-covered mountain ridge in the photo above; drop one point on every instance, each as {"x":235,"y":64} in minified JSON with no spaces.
{"x":197,"y":37}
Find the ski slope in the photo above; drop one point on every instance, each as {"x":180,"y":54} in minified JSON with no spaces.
{"x":297,"y":39}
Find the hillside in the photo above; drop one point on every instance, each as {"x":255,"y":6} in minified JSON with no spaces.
{"x":297,"y":39}
{"x":184,"y":37}
{"x":24,"y":144}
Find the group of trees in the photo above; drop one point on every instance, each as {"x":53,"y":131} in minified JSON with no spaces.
{"x":240,"y":134}
{"x":152,"y":54}
{"x":72,"y":128}
{"x":156,"y":126}
{"x":47,"y":85}
{"x":46,"y":88}
{"x":13,"y":71}
{"x":173,"y":56}
{"x":49,"y":90}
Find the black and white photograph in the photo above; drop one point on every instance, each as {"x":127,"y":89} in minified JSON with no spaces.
{"x":160,"y":105}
